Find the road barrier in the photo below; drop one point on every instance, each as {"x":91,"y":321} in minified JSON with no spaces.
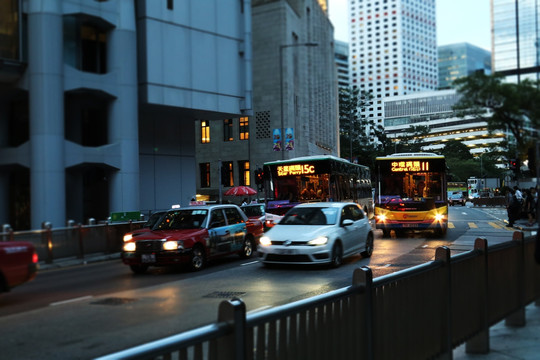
{"x":490,"y":201}
{"x":417,"y":313}
{"x":74,"y":241}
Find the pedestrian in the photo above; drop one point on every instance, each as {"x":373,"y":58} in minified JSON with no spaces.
{"x":513,"y":208}
{"x":245,"y":201}
{"x":530,"y":205}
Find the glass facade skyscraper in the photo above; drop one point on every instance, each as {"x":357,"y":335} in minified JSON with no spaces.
{"x":460,"y":60}
{"x":515,"y":38}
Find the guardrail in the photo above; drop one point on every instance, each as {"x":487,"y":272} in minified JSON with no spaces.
{"x":417,"y":313}
{"x":75,"y":241}
{"x":490,"y":201}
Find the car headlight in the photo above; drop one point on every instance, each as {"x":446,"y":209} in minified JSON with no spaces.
{"x":265,"y":241}
{"x":321,"y":240}
{"x":130,"y":246}
{"x":172,"y":245}
{"x":128,"y":237}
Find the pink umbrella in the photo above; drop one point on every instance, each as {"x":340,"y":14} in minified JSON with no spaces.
{"x":240,"y":191}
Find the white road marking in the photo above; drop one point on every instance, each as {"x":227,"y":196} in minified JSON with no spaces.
{"x":463,"y":213}
{"x":71,"y":300}
{"x":250,"y":263}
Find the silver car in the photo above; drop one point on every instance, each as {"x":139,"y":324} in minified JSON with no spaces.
{"x":318,"y":233}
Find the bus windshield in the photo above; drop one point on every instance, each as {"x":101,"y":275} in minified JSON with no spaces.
{"x":316,"y":178}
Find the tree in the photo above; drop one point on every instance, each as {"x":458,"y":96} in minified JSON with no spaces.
{"x":456,"y":149}
{"x":351,"y":126}
{"x":504,"y":106}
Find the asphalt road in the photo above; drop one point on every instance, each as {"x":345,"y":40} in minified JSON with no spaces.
{"x":90,"y":310}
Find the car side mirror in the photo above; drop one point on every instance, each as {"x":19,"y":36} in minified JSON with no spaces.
{"x":347,"y":222}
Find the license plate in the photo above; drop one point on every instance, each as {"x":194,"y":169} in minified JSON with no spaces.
{"x":286,"y":251}
{"x":409,"y":225}
{"x":148,"y":258}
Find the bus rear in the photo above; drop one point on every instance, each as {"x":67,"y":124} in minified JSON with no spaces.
{"x":411,"y":193}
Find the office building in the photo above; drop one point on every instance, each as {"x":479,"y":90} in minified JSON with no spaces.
{"x":342,"y":63}
{"x":515,"y":39}
{"x":393,"y":49}
{"x":294,"y":97}
{"x":460,"y":60}
{"x":434,"y":110}
{"x":99,"y":101}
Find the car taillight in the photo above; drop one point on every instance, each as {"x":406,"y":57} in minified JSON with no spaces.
{"x":35,"y":258}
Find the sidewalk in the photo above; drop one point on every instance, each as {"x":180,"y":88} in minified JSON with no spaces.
{"x":75,"y":261}
{"x":507,"y":342}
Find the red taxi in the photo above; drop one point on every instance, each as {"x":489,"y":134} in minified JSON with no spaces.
{"x":193,"y":235}
{"x":18,"y":263}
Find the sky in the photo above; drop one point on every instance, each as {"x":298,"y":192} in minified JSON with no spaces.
{"x":457,"y":21}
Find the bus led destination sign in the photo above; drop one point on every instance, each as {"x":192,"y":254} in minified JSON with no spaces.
{"x":409,"y":166}
{"x":297,"y":169}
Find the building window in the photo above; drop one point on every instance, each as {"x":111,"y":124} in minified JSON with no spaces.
{"x":228,"y":130}
{"x":244,"y":178}
{"x":227,"y":173}
{"x":243,"y":127}
{"x":170,"y":4}
{"x":85,"y":45}
{"x":205,"y":131}
{"x":204,"y":170}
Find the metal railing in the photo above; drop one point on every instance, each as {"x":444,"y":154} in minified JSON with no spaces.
{"x":74,"y":241}
{"x":423,"y":312}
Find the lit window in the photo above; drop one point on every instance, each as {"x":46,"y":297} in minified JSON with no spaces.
{"x":205,"y":131}
{"x":243,"y":128}
{"x":244,"y":178}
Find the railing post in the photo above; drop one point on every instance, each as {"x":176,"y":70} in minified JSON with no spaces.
{"x":364,"y":277}
{"x":47,"y":240}
{"x":479,"y":344}
{"x":81,"y":240}
{"x":517,"y":318}
{"x":233,"y":347}
{"x":442,"y":254}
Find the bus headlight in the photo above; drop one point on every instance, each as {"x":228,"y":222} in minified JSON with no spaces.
{"x":265,"y":241}
{"x":381,"y":218}
{"x":130,"y":246}
{"x":321,"y":240}
{"x":439,"y":217}
{"x":128,"y":237}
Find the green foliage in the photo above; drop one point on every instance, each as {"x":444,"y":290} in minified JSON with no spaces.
{"x":506,"y":107}
{"x":456,"y":149}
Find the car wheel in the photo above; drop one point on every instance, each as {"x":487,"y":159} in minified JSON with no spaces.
{"x":369,"y":246}
{"x":138,"y":269}
{"x":247,"y":248}
{"x":337,"y":255}
{"x":197,"y":259}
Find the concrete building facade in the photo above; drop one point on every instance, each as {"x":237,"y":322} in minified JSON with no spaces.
{"x":99,"y":101}
{"x":342,"y":64}
{"x":434,"y":110}
{"x":393,"y":49}
{"x":294,"y":93}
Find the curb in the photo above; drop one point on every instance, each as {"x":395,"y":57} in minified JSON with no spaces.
{"x":74,"y":261}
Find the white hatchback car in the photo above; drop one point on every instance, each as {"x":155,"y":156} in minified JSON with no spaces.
{"x":318,"y":233}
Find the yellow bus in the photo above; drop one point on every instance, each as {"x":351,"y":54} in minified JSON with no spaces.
{"x":411,"y":193}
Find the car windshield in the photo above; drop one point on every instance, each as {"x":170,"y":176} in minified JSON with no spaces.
{"x":182,"y":219}
{"x":456,"y":196}
{"x":253,"y":210}
{"x":310,"y":216}
{"x":154,"y":218}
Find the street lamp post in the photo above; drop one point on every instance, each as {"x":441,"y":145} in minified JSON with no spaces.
{"x":281,"y":47}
